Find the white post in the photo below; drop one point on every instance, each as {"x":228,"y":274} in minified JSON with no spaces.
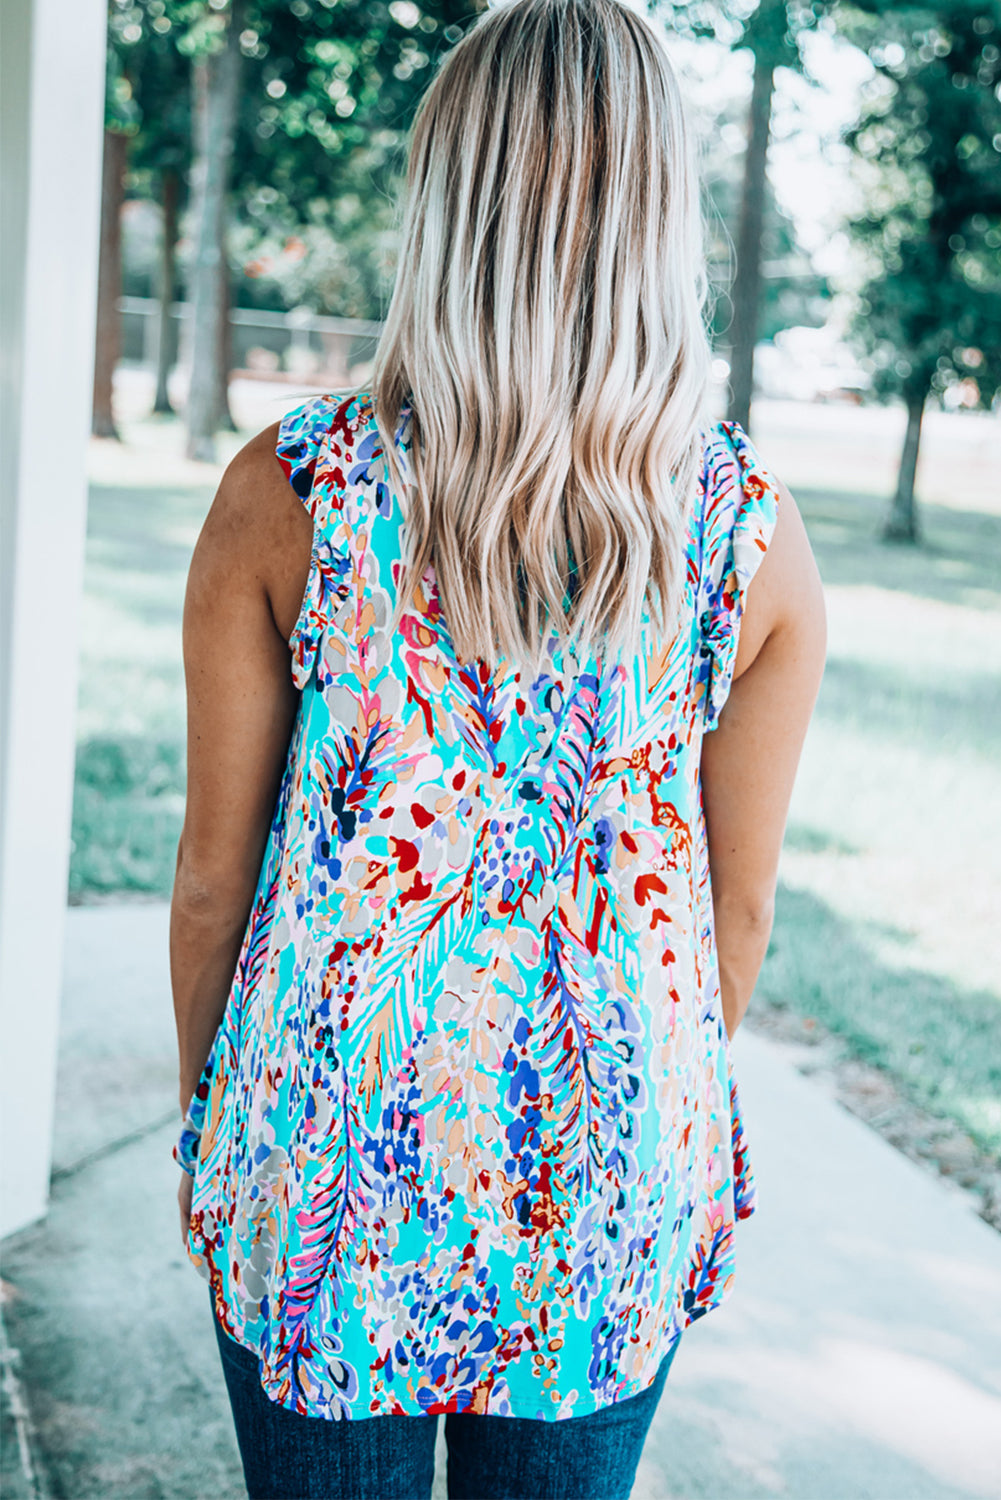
{"x":51,"y":114}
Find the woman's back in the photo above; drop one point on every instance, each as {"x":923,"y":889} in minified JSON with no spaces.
{"x":468,"y":1139}
{"x":458,"y":944}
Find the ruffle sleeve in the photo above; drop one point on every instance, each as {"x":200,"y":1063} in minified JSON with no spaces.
{"x":309,"y":453}
{"x":740,"y":511}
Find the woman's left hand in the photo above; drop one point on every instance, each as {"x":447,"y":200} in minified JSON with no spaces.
{"x":184,"y":1204}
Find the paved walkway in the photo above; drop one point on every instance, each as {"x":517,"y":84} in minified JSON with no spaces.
{"x":859,"y":1357}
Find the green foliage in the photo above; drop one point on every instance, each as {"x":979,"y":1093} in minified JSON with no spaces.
{"x":327,"y":94}
{"x":328,"y":98}
{"x":128,"y":806}
{"x":328,"y":90}
{"x":342,"y":262}
{"x":930,"y":146}
{"x":773,"y":26}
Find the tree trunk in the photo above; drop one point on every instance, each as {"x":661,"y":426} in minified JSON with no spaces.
{"x":215,"y":82}
{"x":902,"y":521}
{"x":224,"y":416}
{"x":166,"y":347}
{"x":109,"y":284}
{"x":747,"y":282}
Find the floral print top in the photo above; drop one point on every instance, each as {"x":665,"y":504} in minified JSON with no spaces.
{"x":468,"y":1138}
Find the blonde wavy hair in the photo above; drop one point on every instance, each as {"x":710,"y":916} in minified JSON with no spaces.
{"x":546,"y":329}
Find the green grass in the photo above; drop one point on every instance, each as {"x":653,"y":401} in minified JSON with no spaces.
{"x":940,"y":1042}
{"x":886,"y":927}
{"x":129,"y":794}
{"x":887,"y":924}
{"x":128,"y":806}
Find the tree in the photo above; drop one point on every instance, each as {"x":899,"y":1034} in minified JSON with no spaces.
{"x":166,"y":343}
{"x":171,"y":48}
{"x":320,"y":142}
{"x":325,"y":96}
{"x":772,"y":43}
{"x":120,"y":120}
{"x":146,"y":129}
{"x":322,"y":90}
{"x":930,"y":144}
{"x":160,"y":151}
{"x":107,"y":343}
{"x":770,"y":29}
{"x":216,"y":80}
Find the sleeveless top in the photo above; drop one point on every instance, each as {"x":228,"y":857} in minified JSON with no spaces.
{"x":468,"y":1138}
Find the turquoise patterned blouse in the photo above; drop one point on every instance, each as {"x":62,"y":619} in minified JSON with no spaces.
{"x":468,"y":1138}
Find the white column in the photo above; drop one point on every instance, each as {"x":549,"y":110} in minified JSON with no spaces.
{"x":51,"y":120}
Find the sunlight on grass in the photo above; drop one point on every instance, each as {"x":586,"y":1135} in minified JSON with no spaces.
{"x":127,"y":813}
{"x":129,"y":799}
{"x":886,"y":927}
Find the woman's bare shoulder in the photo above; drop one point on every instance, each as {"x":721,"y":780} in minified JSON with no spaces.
{"x":258,"y":531}
{"x":785,"y":594}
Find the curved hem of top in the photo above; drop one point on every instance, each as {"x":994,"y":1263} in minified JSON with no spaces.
{"x":518,"y":1408}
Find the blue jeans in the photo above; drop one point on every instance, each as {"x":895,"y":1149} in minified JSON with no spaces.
{"x":290,"y":1457}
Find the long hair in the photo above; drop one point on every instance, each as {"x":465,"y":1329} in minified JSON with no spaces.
{"x":546,"y":330}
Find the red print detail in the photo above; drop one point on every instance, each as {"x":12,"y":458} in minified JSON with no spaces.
{"x":406,"y":853}
{"x":419,"y":891}
{"x":645,"y":885}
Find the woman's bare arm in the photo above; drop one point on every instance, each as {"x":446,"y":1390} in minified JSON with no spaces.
{"x":245,"y":587}
{"x":749,"y":761}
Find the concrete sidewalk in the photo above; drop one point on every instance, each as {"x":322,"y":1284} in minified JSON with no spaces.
{"x":859,"y":1357}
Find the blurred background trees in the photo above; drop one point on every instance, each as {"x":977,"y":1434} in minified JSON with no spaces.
{"x":269,"y":135}
{"x":770,"y":31}
{"x":283,"y":121}
{"x":929,"y":143}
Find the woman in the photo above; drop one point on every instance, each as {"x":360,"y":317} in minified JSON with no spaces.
{"x":484,"y":814}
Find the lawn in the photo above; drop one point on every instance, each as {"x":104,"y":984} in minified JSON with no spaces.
{"x":129,"y":793}
{"x":887,"y":926}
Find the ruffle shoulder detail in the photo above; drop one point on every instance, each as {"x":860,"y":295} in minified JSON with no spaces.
{"x":740,"y":508}
{"x":317,"y":447}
